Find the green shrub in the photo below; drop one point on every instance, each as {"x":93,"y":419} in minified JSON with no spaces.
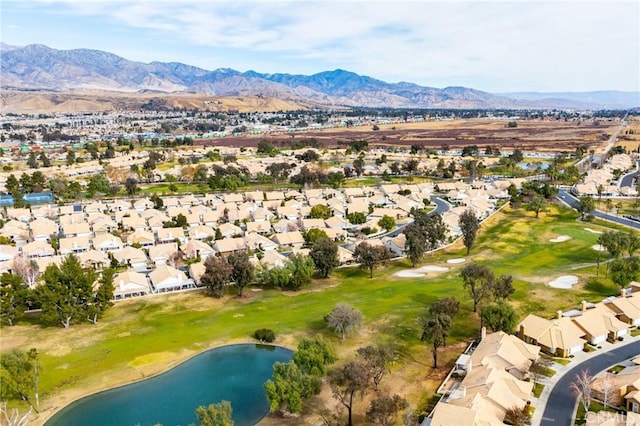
{"x":265,"y":335}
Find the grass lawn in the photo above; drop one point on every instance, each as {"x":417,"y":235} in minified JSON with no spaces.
{"x":537,"y":389}
{"x":137,"y":338}
{"x":594,"y":406}
{"x":616,"y":369}
{"x":635,"y":332}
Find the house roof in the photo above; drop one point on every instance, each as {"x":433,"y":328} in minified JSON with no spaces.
{"x":560,"y":333}
{"x":166,"y":276}
{"x":130,"y":282}
{"x":288,"y":238}
{"x":229,"y":245}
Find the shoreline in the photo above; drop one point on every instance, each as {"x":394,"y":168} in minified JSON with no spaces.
{"x":40,"y":419}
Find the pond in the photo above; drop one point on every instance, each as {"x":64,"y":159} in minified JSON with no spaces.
{"x":234,"y":373}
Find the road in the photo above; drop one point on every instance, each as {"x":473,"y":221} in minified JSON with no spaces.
{"x":441,"y":207}
{"x":628,"y":179}
{"x":573,"y":202}
{"x":561,"y":402}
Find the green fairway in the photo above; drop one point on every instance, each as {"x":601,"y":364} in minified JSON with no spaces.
{"x":145,"y":336}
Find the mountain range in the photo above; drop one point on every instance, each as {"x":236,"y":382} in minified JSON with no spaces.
{"x":38,"y":67}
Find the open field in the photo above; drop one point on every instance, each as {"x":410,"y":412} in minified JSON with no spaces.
{"x":139,"y":338}
{"x":30,"y":102}
{"x":538,"y":135}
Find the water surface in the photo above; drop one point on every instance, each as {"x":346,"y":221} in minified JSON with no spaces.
{"x":234,"y":373}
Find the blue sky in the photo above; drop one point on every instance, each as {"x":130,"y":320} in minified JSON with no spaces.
{"x":497,"y":46}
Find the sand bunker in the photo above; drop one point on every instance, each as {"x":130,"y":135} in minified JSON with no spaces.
{"x":454,"y":261}
{"x":565,"y":281}
{"x":593,"y":231}
{"x":560,"y":239}
{"x":420,"y":272}
{"x":599,"y":247}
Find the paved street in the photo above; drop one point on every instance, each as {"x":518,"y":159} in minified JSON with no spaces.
{"x":556,"y":405}
{"x":572,"y":201}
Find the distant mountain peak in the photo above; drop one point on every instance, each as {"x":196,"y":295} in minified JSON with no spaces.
{"x":40,"y":67}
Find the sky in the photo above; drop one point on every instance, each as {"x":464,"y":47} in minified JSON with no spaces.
{"x":496,"y":46}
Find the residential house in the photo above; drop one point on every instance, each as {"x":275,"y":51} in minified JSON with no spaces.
{"x":134,"y":222}
{"x":256,"y":241}
{"x":229,"y":230}
{"x":626,"y":309}
{"x":94,"y":259}
{"x":166,"y":278}
{"x":76,"y":229}
{"x":270,"y":259}
{"x":230,"y":245}
{"x":163,"y":253}
{"x":196,"y":271}
{"x":141,"y":237}
{"x":131,"y":256}
{"x":396,"y":245}
{"x":41,"y":229}
{"x":559,"y":337}
{"x":493,"y":383}
{"x":291,"y":240}
{"x":195,"y":248}
{"x":130,"y":284}
{"x":107,"y":242}
{"x":36,"y":249}
{"x":623,"y":388}
{"x":74,"y":245}
{"x":599,"y":323}
{"x":202,"y":232}
{"x":7,"y":252}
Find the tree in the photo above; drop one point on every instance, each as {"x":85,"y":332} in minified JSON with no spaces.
{"x":314,"y":356}
{"x":294,"y":382}
{"x":325,"y":256}
{"x":623,"y":271}
{"x":478,"y":281}
{"x":356,"y":218}
{"x":540,"y":368}
{"x":32,"y":162}
{"x":446,"y":305}
{"x":469,"y":225}
{"x":27,"y":269}
{"x":581,"y":388}
{"x":387,"y":223}
{"x":344,"y":319}
{"x":384,"y":409}
{"x":347,"y":381}
{"x":314,"y":234}
{"x":218,"y":414}
{"x":44,"y":159}
{"x":14,"y":418}
{"x":217,"y":274}
{"x":503,"y":287}
{"x":71,"y":157}
{"x":358,"y":166}
{"x":435,"y":329}
{"x":66,"y":291}
{"x":19,"y":374}
{"x":157,"y":201}
{"x":13,"y":297}
{"x":517,"y":416}
{"x":131,"y":185}
{"x":378,"y":359}
{"x":416,"y":242}
{"x":301,"y":270}
{"x":102,"y":298}
{"x":586,"y":205}
{"x":499,"y":316}
{"x":370,"y":256}
{"x":320,"y":211}
{"x":537,"y":205}
{"x":242,"y":270}
{"x":289,"y":387}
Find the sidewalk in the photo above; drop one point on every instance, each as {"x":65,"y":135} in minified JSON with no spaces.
{"x":548,"y":382}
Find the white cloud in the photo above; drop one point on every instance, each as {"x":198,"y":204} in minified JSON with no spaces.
{"x":553,"y":45}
